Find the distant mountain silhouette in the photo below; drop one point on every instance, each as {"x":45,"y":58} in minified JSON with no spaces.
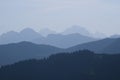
{"x":80,"y":65}
{"x":10,"y":37}
{"x":45,"y":32}
{"x":14,"y":37}
{"x":64,"y":41}
{"x":77,"y":29}
{"x":58,"y":40}
{"x":24,"y":50}
{"x":83,"y":31}
{"x":115,"y":36}
{"x":107,"y":45}
{"x":29,"y":34}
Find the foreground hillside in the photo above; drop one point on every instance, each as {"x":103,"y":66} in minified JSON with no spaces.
{"x":81,"y":65}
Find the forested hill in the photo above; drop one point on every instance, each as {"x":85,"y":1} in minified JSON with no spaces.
{"x":79,"y":65}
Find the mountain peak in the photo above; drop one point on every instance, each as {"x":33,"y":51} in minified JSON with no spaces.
{"x":28,"y":30}
{"x":77,"y":29}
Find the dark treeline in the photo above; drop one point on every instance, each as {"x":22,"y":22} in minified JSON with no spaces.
{"x":80,"y":65}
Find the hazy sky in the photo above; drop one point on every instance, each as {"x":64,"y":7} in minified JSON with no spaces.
{"x":95,"y":15}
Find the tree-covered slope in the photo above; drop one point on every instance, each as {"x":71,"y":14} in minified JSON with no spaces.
{"x":80,"y":65}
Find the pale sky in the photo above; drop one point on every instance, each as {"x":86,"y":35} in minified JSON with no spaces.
{"x":94,"y":15}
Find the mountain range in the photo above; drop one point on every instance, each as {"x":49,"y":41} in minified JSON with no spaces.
{"x":14,"y":52}
{"x":15,"y":37}
{"x":29,"y":44}
{"x":64,"y":41}
{"x":58,"y":40}
{"x":83,"y":31}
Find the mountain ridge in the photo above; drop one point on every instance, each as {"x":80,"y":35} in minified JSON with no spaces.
{"x":99,"y":46}
{"x":14,"y":52}
{"x":58,"y":40}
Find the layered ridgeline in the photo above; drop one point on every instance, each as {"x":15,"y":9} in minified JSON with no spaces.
{"x":11,"y":53}
{"x":51,"y":38}
{"x":108,"y":45}
{"x":80,"y":65}
{"x":64,"y":41}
